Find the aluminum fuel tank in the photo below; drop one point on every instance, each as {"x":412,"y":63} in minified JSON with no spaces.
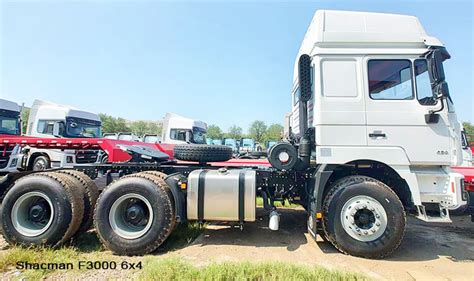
{"x":221,"y":195}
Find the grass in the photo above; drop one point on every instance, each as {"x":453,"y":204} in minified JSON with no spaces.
{"x":278,"y":203}
{"x":174,"y":269}
{"x":86,"y":247}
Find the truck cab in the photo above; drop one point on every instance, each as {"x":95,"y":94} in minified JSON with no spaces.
{"x":10,"y":125}
{"x":234,"y":144}
{"x":179,"y":130}
{"x":247,"y":145}
{"x":377,"y":96}
{"x":48,"y":120}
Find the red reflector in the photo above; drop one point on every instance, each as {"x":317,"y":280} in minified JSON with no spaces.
{"x":452,"y":186}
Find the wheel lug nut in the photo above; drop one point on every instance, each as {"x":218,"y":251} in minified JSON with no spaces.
{"x":373,"y":230}
{"x":377,"y":224}
{"x":372,"y":209}
{"x":365,"y":232}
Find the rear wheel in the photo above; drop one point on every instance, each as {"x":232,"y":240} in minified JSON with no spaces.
{"x":89,"y":194}
{"x":134,"y":215}
{"x":363,"y":217}
{"x":41,"y":209}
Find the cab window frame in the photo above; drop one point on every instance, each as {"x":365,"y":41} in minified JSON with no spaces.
{"x":412,"y":78}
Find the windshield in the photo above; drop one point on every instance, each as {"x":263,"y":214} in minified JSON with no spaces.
{"x":247,"y":142}
{"x":152,"y":139}
{"x":198,"y":135}
{"x":83,"y":128}
{"x":230,"y":142}
{"x":10,"y":125}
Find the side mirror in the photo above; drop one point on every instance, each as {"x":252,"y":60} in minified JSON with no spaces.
{"x":435,"y":63}
{"x":304,"y":77}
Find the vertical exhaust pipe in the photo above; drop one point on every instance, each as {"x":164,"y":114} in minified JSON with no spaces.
{"x":305,"y":87}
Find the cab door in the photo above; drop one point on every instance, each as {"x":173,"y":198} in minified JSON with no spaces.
{"x":398,"y":97}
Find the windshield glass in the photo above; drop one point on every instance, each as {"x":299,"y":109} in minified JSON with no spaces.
{"x":83,"y":128}
{"x":247,"y":143}
{"x":9,"y":125}
{"x":198,"y":135}
{"x":152,"y":139}
{"x":230,"y":142}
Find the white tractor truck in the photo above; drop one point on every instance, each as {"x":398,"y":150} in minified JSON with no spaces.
{"x":178,"y":130}
{"x":364,"y":85}
{"x":48,"y":120}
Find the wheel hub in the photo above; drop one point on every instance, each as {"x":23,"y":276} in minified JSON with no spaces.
{"x":38,"y":212}
{"x":131,"y":216}
{"x":32,"y":214}
{"x":364,"y":218}
{"x":135,"y":215}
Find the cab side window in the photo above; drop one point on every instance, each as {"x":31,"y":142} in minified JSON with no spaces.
{"x":177,"y":134}
{"x":390,"y":80}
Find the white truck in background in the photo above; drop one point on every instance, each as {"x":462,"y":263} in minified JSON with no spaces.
{"x":48,"y":120}
{"x":10,"y":124}
{"x":178,"y":130}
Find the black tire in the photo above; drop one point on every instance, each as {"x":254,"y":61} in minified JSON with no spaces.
{"x":202,"y":152}
{"x":41,"y":163}
{"x":66,"y":205}
{"x":154,"y":191}
{"x":351,"y":187}
{"x":161,"y":177}
{"x":90,"y":194}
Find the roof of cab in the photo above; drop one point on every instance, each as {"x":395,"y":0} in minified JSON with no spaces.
{"x":330,"y":28}
{"x":9,"y":105}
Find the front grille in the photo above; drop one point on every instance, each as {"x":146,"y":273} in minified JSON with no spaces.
{"x":5,"y":154}
{"x":86,"y":156}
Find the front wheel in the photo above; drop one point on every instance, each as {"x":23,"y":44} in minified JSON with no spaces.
{"x":363,"y":217}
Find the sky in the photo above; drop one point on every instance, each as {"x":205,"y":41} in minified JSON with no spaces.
{"x":221,"y":62}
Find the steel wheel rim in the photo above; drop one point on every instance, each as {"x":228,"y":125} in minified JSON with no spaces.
{"x":120,"y":218}
{"x":364,"y":218}
{"x":40,"y":165}
{"x":27,"y":214}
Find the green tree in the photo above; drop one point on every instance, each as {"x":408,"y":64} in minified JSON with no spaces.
{"x":274,"y":132}
{"x":154,"y":128}
{"x":139,"y":128}
{"x":469,"y":128}
{"x":214,"y":132}
{"x":235,"y":132}
{"x":25,"y":113}
{"x":258,"y":130}
{"x":111,"y":124}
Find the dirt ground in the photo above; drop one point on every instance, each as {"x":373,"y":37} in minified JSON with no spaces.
{"x":428,"y":251}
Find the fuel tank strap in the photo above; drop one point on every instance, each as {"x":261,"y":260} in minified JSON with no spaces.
{"x":241,"y":196}
{"x":200,"y":199}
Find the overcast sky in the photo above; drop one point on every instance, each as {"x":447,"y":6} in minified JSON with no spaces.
{"x":223,"y":63}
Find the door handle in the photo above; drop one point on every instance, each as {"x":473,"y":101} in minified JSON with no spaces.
{"x":377,"y":135}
